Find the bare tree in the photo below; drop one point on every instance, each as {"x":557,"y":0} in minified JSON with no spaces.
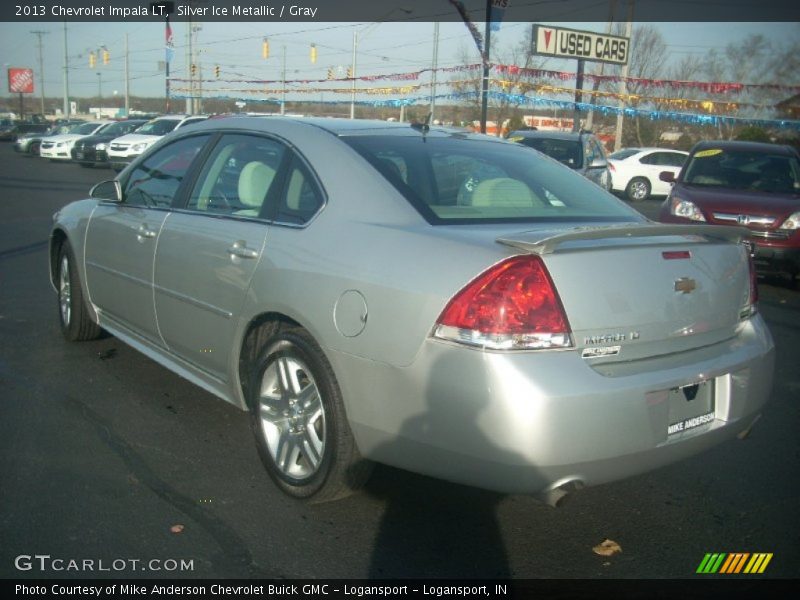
{"x":755,"y":60}
{"x":512,"y":83}
{"x":648,"y":57}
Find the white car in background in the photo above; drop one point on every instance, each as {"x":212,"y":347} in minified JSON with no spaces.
{"x":123,"y":150}
{"x":58,"y":147}
{"x":635,"y":171}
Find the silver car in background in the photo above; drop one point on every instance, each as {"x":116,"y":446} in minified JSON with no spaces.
{"x":447,"y":303}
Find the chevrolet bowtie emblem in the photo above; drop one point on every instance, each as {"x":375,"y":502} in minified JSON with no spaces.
{"x":685,"y":285}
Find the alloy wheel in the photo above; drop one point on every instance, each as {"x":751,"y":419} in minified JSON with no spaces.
{"x":292,"y":417}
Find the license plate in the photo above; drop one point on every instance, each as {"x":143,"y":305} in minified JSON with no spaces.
{"x":690,"y":407}
{"x":79,"y":154}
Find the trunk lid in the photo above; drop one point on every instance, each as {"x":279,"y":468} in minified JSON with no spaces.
{"x":640,"y":291}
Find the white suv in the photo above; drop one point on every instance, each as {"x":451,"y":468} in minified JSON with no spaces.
{"x":123,"y":150}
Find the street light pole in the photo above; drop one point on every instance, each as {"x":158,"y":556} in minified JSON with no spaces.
{"x":100,"y":87}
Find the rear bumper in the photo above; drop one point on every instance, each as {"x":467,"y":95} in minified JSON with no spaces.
{"x":89,"y":155}
{"x":529,"y":422}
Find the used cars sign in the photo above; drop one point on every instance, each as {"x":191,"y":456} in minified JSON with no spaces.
{"x":584,"y":45}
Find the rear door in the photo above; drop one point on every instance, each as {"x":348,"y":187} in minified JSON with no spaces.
{"x":656,"y":162}
{"x":121,"y":238}
{"x":209,"y":250}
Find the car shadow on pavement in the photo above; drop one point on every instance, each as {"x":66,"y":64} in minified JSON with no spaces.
{"x":431,"y":528}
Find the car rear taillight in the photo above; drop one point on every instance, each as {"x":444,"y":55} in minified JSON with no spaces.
{"x":512,"y":306}
{"x":611,"y":166}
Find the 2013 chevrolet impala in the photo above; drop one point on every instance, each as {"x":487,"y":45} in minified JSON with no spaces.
{"x":448,"y":303}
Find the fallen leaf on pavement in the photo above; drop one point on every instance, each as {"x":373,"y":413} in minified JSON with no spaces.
{"x":607,"y":548}
{"x":176,"y":528}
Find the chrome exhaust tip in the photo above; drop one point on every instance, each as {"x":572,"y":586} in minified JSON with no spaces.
{"x":556,"y":495}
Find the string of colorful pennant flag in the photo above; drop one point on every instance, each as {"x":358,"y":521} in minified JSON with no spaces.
{"x":523,"y":100}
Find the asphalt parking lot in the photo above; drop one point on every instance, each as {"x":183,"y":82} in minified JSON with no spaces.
{"x":103,"y":454}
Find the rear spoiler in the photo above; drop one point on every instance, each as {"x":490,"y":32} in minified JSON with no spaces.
{"x":532,"y":241}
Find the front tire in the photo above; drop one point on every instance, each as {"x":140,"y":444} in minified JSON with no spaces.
{"x":73,"y":314}
{"x":299,"y":421}
{"x":638,"y":189}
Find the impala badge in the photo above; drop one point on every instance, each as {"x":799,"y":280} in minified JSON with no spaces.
{"x":685,"y":285}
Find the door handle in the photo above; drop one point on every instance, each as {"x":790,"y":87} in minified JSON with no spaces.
{"x":241,"y":250}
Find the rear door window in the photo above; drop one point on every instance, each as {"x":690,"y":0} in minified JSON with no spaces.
{"x":237,"y":176}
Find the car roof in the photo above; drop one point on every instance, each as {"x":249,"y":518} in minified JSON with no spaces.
{"x":342,"y":127}
{"x":176,"y":117}
{"x":551,"y":135}
{"x":649,"y":149}
{"x":743,"y":146}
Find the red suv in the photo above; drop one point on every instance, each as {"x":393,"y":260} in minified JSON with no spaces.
{"x":743,"y":183}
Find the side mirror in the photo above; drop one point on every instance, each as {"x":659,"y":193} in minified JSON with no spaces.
{"x":598,"y":163}
{"x":107,"y":190}
{"x":667,"y":176}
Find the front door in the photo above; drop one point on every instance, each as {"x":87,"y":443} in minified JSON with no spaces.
{"x":121,"y":239}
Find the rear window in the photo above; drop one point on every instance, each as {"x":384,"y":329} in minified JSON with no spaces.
{"x":87,"y":128}
{"x":460,"y":180}
{"x":623,"y":154}
{"x":567,"y":152}
{"x":158,"y":127}
{"x":744,"y":170}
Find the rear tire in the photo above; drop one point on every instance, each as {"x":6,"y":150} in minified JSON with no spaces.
{"x":638,"y":189}
{"x":299,"y":421}
{"x":87,"y":165}
{"x":73,"y":313}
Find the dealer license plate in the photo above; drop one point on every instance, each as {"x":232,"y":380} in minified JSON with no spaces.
{"x":690,"y":407}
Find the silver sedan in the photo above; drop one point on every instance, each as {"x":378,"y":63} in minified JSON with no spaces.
{"x":451,"y":304}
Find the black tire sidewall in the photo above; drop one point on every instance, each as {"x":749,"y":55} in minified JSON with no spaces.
{"x":298,"y":344}
{"x":70,"y":330}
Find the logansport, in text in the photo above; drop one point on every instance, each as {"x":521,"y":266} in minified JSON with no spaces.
{"x":157,"y":10}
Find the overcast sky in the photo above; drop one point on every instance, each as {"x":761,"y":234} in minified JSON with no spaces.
{"x":236,"y":48}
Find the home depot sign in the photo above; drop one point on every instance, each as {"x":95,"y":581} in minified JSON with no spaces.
{"x":583,"y":45}
{"x":548,"y":123}
{"x":20,"y":81}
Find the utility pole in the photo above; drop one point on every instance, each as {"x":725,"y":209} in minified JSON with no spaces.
{"x":66,"y":74}
{"x":39,"y":34}
{"x":199,"y":103}
{"x":485,"y":79}
{"x":128,"y":79}
{"x":100,"y":88}
{"x":353,"y":75}
{"x":622,"y":87}
{"x":283,"y":79}
{"x":434,"y":67}
{"x":189,"y":65}
{"x":596,"y":83}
